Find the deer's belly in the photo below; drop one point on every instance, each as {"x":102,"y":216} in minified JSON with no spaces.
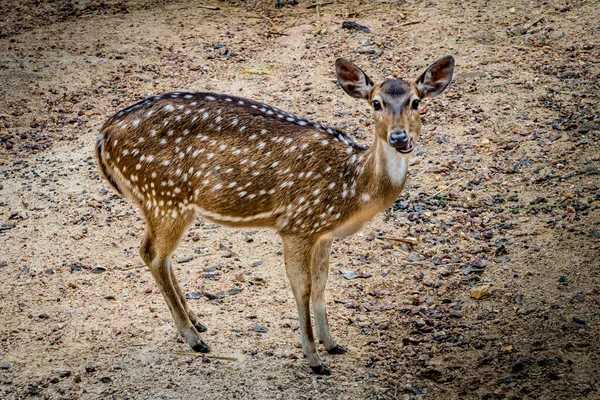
{"x":353,"y":224}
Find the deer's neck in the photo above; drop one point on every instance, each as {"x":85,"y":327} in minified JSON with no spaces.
{"x":385,"y":172}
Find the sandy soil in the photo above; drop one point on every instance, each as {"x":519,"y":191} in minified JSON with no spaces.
{"x":504,"y":192}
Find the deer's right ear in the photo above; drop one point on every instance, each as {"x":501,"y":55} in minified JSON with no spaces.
{"x":352,"y":79}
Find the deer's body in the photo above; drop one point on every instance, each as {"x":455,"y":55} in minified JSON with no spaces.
{"x":242,"y":163}
{"x":275,"y":169}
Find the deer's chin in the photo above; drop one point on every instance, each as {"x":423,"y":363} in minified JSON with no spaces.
{"x":407,"y":149}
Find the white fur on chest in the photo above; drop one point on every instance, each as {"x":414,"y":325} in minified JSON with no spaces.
{"x":396,"y":165}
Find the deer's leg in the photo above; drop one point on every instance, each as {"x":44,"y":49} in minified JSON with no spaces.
{"x":320,"y":270}
{"x":199,"y":327}
{"x":161,"y":239}
{"x":297,"y":253}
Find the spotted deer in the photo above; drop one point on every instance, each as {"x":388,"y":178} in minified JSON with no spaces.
{"x":242,"y":163}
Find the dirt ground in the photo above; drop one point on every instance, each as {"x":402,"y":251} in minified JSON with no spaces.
{"x":503,"y":191}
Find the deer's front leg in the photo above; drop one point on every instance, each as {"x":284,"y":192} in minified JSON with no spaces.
{"x":297,"y":253}
{"x":320,"y":270}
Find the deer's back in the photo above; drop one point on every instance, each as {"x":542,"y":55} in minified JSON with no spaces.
{"x":232,"y":158}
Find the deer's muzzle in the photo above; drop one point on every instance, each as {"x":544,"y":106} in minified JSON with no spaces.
{"x":401,"y":142}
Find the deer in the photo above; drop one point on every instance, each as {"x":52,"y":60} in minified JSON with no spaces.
{"x":245,"y":164}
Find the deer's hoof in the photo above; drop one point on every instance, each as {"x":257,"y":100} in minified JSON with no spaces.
{"x":199,"y":327}
{"x":337,"y":349}
{"x":321,"y":370}
{"x":201,"y":347}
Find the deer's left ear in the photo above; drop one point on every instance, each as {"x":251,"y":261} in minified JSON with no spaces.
{"x":436,"y":78}
{"x":352,"y":79}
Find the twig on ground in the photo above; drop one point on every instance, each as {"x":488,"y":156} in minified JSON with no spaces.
{"x":445,"y":188}
{"x":134,"y":267}
{"x":320,"y":4}
{"x":185,"y":353}
{"x":277,"y":33}
{"x":409,"y":240}
{"x":214,"y":8}
{"x":411,"y":23}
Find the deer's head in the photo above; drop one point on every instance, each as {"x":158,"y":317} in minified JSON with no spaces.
{"x":395,"y":102}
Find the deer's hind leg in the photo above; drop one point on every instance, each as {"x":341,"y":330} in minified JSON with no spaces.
{"x":199,"y":327}
{"x":161,"y":239}
{"x":320,"y":270}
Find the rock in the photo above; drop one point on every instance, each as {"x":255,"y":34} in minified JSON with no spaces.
{"x":185,"y":259}
{"x":63,"y":373}
{"x":481,"y":292}
{"x":507,"y":379}
{"x":553,"y":375}
{"x":579,"y":320}
{"x":99,"y":269}
{"x":519,"y":364}
{"x":193,"y":296}
{"x":355,"y":26}
{"x":506,"y":349}
{"x":578,"y":298}
{"x":260,"y":329}
{"x":5,"y":366}
{"x":32,"y":389}
{"x":588,"y":126}
{"x":350,"y":275}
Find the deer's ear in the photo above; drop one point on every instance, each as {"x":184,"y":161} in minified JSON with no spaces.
{"x":436,"y":78}
{"x":352,"y":79}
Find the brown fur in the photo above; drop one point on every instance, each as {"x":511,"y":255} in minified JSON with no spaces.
{"x":241,"y":163}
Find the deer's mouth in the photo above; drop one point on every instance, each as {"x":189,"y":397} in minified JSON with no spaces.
{"x":410,"y":146}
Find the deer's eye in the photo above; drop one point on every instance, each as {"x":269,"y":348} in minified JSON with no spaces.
{"x":415,"y":104}
{"x":376,"y":105}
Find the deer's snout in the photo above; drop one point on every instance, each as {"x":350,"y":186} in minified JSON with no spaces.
{"x":401,"y":141}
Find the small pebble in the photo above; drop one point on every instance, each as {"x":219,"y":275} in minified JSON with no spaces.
{"x":63,"y":373}
{"x":260,"y":328}
{"x":481,"y":292}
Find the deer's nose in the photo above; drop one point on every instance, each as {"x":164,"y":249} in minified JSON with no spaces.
{"x":399,"y":139}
